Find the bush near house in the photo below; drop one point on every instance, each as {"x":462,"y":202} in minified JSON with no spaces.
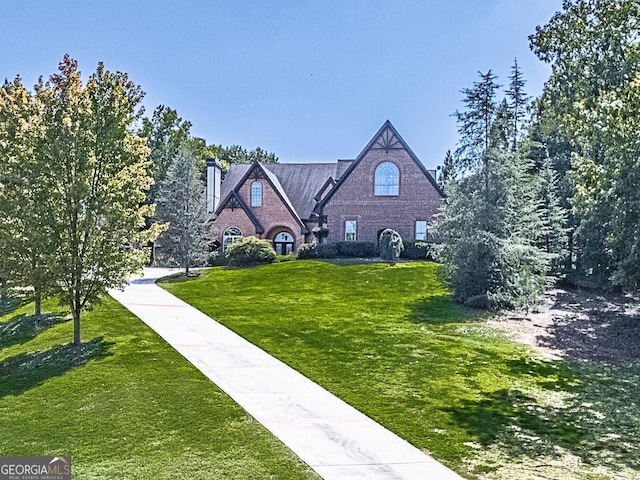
{"x":356,"y":249}
{"x":250,"y":251}
{"x":421,"y":250}
{"x":415,"y":250}
{"x":339,"y":249}
{"x":314,"y":250}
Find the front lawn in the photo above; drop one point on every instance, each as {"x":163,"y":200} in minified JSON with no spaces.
{"x":125,"y":405}
{"x":390,"y":341}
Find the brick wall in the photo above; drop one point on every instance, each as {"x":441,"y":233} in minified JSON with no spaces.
{"x":273,"y":215}
{"x":355,"y":199}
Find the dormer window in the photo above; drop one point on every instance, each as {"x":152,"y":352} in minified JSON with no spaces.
{"x":386,"y":180}
{"x":256,"y":194}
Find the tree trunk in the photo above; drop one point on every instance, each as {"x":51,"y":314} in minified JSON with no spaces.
{"x":38,"y":302}
{"x":152,"y":254}
{"x":76,"y":327}
{"x":4,"y":297}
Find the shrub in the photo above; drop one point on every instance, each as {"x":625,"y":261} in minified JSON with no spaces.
{"x":307,"y":250}
{"x":422,"y":250}
{"x":356,"y":249}
{"x":250,"y":251}
{"x":327,"y":250}
{"x":390,"y":245}
{"x":415,"y":250}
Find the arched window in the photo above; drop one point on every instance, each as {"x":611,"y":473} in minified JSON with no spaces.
{"x":283,"y":243}
{"x":386,"y":180}
{"x":256,"y":194}
{"x":230,"y":235}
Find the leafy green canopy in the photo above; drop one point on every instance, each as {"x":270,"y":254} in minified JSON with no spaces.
{"x":593,"y":99}
{"x":82,"y":175}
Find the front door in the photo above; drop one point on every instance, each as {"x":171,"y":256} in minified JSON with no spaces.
{"x":283,"y":243}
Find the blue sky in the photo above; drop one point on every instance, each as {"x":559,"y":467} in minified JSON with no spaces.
{"x":308,"y":80}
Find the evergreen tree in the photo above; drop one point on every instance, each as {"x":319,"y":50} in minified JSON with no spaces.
{"x":518,"y":101}
{"x":491,"y":222}
{"x":475,"y":122}
{"x":181,"y":203}
{"x":448,"y":170}
{"x":553,"y":237}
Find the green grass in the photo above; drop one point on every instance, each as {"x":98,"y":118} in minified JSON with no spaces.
{"x":125,"y":405}
{"x":390,"y":341}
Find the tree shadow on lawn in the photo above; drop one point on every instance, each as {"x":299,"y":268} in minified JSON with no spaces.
{"x":11,"y":305}
{"x":22,"y":328}
{"x":590,"y":413}
{"x":441,"y":309}
{"x":23,"y":372}
{"x":594,"y":327}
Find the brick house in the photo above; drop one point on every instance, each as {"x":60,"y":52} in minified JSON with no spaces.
{"x":386,"y":186}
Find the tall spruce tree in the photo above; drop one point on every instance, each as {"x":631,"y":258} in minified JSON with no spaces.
{"x":490,"y":222}
{"x":553,"y":236}
{"x":475,"y":122}
{"x":181,"y":203}
{"x":448,"y":170}
{"x":518,"y":101}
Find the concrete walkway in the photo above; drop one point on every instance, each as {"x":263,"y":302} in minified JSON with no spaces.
{"x":333,"y":438}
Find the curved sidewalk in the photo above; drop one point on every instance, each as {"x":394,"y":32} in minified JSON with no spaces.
{"x":333,"y":438}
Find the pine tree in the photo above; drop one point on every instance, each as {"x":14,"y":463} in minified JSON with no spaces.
{"x":553,"y":237}
{"x":518,"y":101}
{"x":475,"y":122}
{"x":448,"y":170}
{"x":490,"y":223}
{"x":181,"y":203}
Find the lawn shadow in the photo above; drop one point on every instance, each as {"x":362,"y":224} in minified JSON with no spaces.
{"x":591,"y":414}
{"x":11,"y":305}
{"x":441,"y":309}
{"x":23,"y":372}
{"x":22,"y":328}
{"x":594,"y":327}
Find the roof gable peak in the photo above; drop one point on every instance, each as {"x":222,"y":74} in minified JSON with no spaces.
{"x":387,"y":138}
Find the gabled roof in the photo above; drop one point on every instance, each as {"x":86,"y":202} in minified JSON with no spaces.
{"x":302,"y":181}
{"x":304,"y":188}
{"x":234,"y":180}
{"x":387,"y":138}
{"x":233,"y":200}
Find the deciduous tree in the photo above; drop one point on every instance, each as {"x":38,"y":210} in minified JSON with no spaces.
{"x":73,"y":184}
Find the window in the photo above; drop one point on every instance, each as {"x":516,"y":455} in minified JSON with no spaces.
{"x":283,"y":243}
{"x":386,"y":180}
{"x":350,"y":227}
{"x":421,"y":230}
{"x":256,"y":194}
{"x":231,"y":234}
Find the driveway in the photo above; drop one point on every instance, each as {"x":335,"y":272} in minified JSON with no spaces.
{"x":333,"y":438}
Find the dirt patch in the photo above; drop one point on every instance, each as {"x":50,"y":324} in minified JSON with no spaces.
{"x":580,"y":325}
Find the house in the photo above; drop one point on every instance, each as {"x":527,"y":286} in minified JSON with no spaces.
{"x":386,"y":186}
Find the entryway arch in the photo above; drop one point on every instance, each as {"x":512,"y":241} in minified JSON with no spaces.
{"x":284,"y":242}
